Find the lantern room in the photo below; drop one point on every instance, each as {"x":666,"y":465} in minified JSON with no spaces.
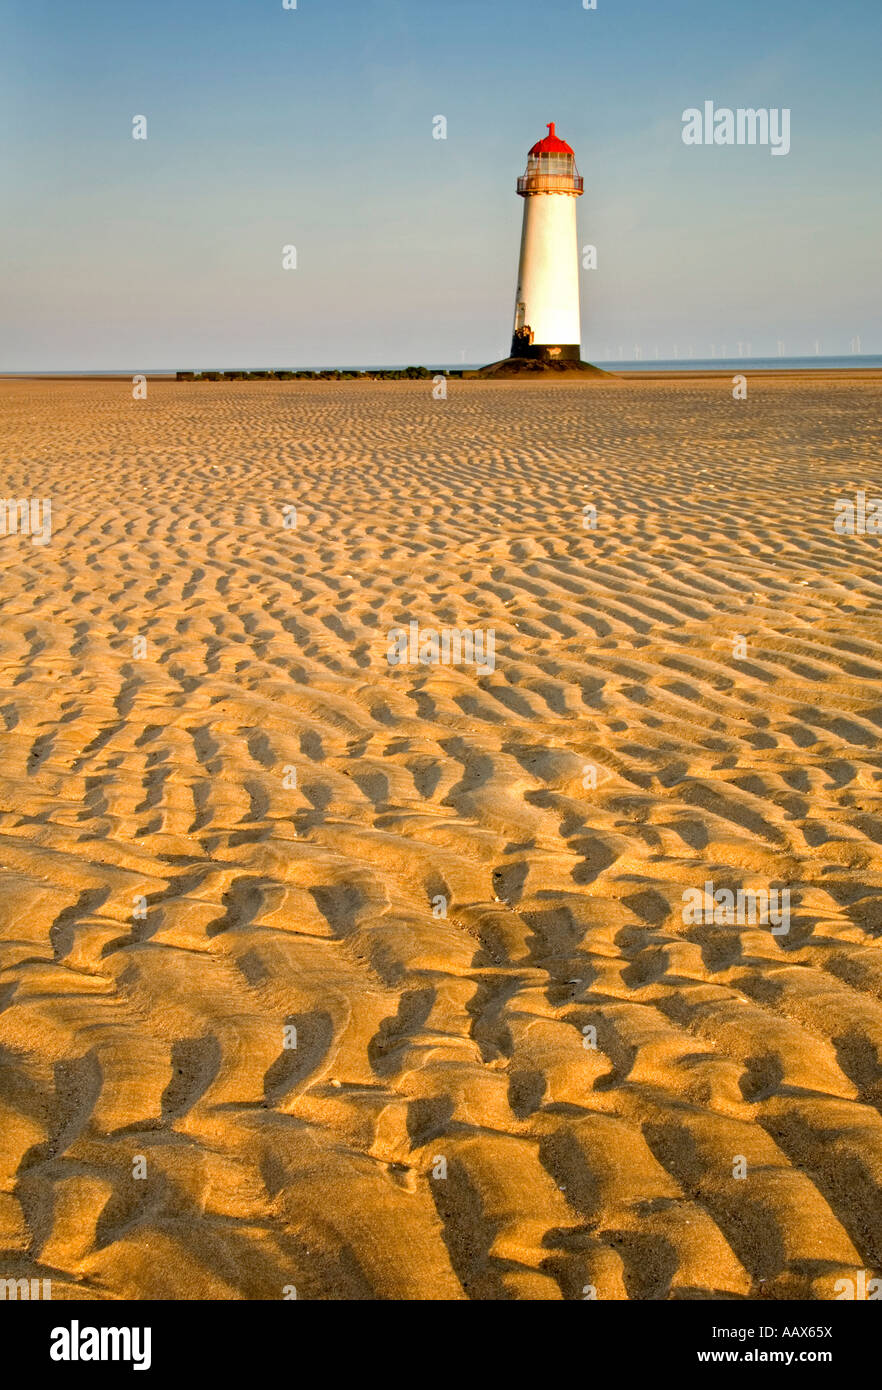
{"x":551,"y":168}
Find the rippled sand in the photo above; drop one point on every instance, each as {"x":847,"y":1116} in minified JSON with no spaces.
{"x":290,"y":807}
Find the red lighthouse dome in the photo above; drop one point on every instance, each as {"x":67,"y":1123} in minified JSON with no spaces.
{"x":551,"y":168}
{"x":551,"y":144}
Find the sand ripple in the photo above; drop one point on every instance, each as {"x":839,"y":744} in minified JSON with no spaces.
{"x":270,"y":904}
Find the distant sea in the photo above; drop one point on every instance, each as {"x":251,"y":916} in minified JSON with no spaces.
{"x":714,"y":364}
{"x":649,"y":364}
{"x":742,"y":364}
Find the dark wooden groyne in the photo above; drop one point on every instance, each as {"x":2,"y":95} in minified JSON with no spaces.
{"x":336,"y":374}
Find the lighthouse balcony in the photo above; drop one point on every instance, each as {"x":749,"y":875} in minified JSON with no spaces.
{"x":551,"y":183}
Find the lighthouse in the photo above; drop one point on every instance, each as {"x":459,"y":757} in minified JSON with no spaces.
{"x":546,"y":324}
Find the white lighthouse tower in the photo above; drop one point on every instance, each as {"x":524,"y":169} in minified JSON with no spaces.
{"x":546,"y":322}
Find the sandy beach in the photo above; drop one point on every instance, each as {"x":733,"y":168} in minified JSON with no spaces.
{"x":371,"y":981}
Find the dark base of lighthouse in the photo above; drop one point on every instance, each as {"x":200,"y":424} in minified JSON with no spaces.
{"x":533,"y":367}
{"x":546,"y":352}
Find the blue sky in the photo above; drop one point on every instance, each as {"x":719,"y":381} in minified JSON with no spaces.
{"x":313,"y":127}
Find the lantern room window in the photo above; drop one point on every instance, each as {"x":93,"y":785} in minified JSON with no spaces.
{"x":551,"y":171}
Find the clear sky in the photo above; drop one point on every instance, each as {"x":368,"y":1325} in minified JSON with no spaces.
{"x":313,"y":127}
